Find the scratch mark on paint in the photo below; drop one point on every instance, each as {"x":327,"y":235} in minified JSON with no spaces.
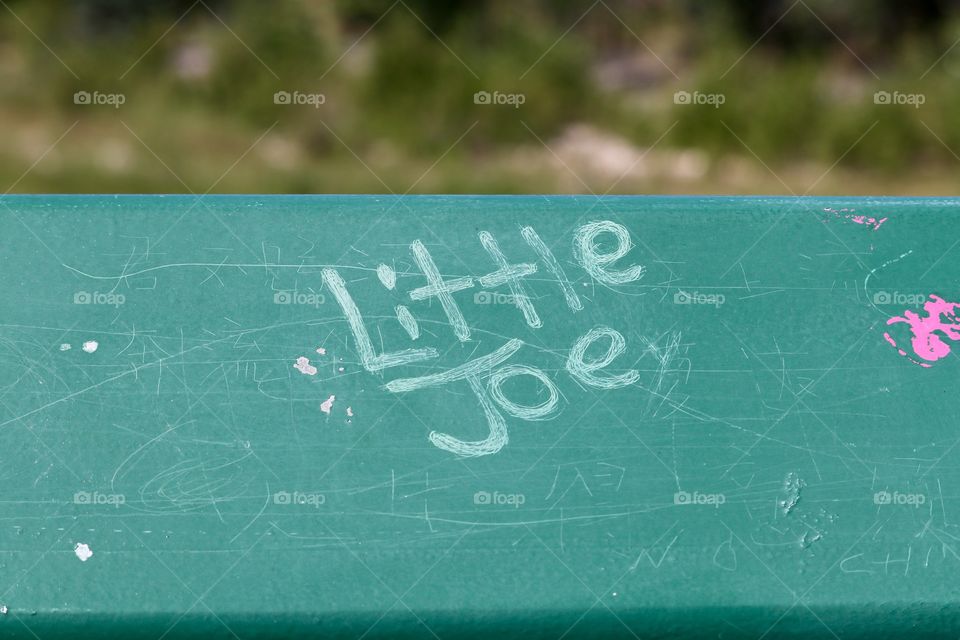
{"x":790,"y":496}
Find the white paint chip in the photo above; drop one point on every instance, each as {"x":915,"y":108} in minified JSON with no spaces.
{"x":350,"y":412}
{"x":83,"y":551}
{"x":90,"y":346}
{"x":327,"y":405}
{"x":65,"y":346}
{"x":321,"y":351}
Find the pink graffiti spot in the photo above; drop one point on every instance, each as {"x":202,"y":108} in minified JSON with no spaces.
{"x":303,"y":366}
{"x":928,"y":332}
{"x":847,"y":214}
{"x":327,"y":405}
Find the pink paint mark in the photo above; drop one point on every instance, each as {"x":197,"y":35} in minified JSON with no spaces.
{"x":847,"y":214}
{"x":303,"y":366}
{"x":321,"y":351}
{"x":327,"y":405}
{"x":928,"y":332}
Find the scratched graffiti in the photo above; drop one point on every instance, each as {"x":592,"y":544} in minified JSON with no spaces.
{"x":485,"y":375}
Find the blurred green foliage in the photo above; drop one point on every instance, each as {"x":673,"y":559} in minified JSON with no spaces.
{"x":398,"y":80}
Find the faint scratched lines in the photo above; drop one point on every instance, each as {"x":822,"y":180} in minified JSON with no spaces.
{"x":108,"y":380}
{"x":798,"y":599}
{"x":188,"y":392}
{"x":598,"y":599}
{"x":19,"y":579}
{"x":200,"y":198}
{"x":631,"y":568}
{"x":799,"y":198}
{"x":799,"y":398}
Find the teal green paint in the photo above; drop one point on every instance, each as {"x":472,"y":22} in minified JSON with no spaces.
{"x":197,"y":464}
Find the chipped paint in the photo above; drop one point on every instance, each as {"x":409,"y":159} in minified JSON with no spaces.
{"x":303,"y":366}
{"x":83,"y":551}
{"x":327,"y":405}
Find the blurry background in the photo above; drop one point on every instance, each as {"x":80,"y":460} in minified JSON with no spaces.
{"x":483,"y":96}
